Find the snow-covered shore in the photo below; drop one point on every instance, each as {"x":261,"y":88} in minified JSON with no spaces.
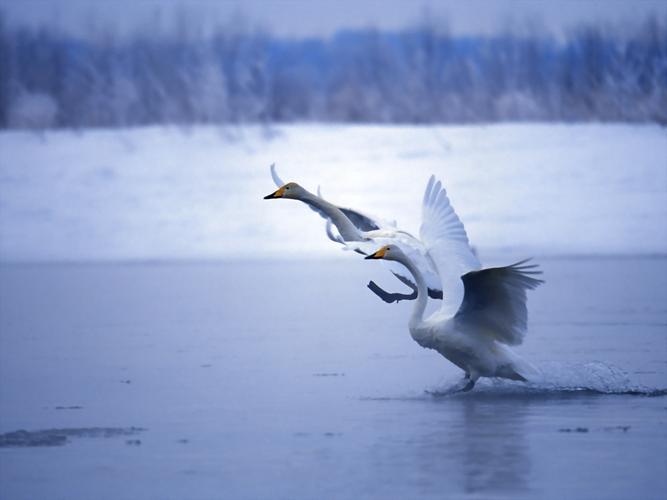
{"x":163,"y":193}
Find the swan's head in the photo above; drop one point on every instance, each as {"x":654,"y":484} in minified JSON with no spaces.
{"x":291,"y":190}
{"x":387,"y":252}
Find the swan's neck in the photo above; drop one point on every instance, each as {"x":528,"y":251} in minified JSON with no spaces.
{"x":422,"y":293}
{"x":347,"y":230}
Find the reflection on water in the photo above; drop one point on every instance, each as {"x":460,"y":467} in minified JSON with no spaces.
{"x":455,"y":445}
{"x":494,"y":449}
{"x":483,"y":444}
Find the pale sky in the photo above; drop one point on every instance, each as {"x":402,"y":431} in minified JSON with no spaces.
{"x":322,"y":18}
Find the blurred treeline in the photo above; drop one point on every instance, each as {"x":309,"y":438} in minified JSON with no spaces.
{"x":418,"y":75}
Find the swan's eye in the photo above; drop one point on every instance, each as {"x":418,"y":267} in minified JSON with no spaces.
{"x":287,"y":187}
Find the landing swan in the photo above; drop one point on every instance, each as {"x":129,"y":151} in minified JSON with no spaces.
{"x":487,"y":313}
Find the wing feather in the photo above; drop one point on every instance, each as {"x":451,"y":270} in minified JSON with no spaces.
{"x":274,"y":175}
{"x":447,"y":244}
{"x":495,"y":301}
{"x":361,"y":221}
{"x":336,"y":238}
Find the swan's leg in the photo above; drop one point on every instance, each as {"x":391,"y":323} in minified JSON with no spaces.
{"x":464,"y":385}
{"x":390,"y":297}
{"x":434,"y":294}
{"x":467,"y":383}
{"x":407,"y":282}
{"x":397,"y":297}
{"x":394,"y":297}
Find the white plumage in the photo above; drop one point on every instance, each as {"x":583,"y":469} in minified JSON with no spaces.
{"x":483,"y":311}
{"x":364,"y":233}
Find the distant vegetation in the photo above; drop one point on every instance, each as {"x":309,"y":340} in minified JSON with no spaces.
{"x":418,"y":75}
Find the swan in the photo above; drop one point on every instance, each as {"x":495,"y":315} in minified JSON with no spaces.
{"x":361,"y":221}
{"x":363,"y":234}
{"x":485,"y":314}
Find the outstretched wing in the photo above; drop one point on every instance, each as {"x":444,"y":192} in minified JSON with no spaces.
{"x":447,"y":244}
{"x":363,"y":222}
{"x":495,"y":302}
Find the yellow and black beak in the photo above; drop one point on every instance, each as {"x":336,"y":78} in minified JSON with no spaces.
{"x":377,"y":255}
{"x":279,"y":193}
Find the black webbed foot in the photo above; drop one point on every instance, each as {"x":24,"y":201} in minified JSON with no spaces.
{"x":468,"y":386}
{"x":434,"y":294}
{"x":388,"y":297}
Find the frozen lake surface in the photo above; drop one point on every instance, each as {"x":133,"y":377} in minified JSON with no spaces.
{"x":287,"y":380}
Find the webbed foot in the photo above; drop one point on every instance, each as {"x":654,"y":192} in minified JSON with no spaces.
{"x":467,"y":383}
{"x":468,"y":386}
{"x":464,"y":385}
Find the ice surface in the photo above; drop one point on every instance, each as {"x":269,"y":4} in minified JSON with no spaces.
{"x":159,"y":193}
{"x":290,"y":380}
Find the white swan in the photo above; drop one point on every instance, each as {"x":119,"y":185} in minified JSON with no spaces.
{"x":362,"y":233}
{"x":361,"y":221}
{"x":487,"y":311}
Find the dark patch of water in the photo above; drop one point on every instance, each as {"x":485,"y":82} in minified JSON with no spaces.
{"x":59,"y":437}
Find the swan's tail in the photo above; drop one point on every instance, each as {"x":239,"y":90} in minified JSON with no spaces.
{"x":509,"y":372}
{"x":517,"y":368}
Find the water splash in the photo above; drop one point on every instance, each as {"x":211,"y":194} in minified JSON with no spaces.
{"x":595,"y":376}
{"x":561,"y":379}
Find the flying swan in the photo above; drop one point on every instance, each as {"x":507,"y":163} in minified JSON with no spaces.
{"x":363,"y":234}
{"x":486,"y":312}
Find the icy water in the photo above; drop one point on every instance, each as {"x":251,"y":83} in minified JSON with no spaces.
{"x":289,"y":380}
